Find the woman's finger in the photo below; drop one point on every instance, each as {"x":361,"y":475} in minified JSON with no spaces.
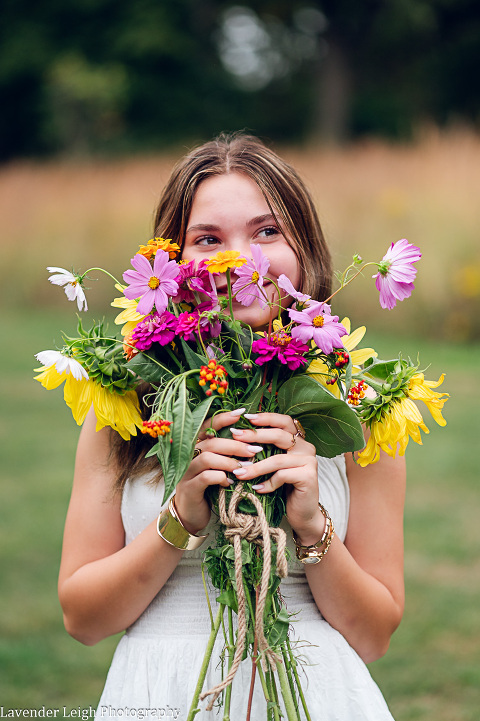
{"x":282,"y":438}
{"x":220,"y":420}
{"x":285,"y":468}
{"x":229,"y":447}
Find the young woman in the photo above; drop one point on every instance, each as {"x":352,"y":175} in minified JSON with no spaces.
{"x":117,"y":573}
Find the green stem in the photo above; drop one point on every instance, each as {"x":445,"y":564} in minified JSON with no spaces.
{"x":231,"y":653}
{"x":207,"y":597}
{"x":344,"y":284}
{"x":272,"y":694}
{"x":206,"y":660}
{"x":292,"y":714}
{"x":102,"y":270}
{"x":288,"y":669}
{"x":293,"y":666}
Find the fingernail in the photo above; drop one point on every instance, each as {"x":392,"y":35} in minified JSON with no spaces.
{"x":239,"y":471}
{"x":230,"y":481}
{"x":258,"y":487}
{"x":245,"y":463}
{"x":251,"y":416}
{"x":255,"y":449}
{"x":236,"y":431}
{"x":238,"y":412}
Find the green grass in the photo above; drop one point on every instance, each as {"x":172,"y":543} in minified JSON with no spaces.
{"x":432,"y":670}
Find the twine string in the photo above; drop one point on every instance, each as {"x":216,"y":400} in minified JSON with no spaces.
{"x":254,"y":529}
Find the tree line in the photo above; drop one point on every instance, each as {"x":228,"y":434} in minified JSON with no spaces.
{"x":115,"y":76}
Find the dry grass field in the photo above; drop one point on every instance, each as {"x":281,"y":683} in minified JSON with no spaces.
{"x":368,"y":195}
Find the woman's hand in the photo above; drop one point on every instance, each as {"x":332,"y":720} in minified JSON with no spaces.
{"x":296,"y":467}
{"x":217,"y":457}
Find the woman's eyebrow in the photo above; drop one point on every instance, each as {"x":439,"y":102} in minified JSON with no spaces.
{"x":207,"y":227}
{"x":259,"y":219}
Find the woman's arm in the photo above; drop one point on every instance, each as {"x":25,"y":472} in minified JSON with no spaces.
{"x":104,"y":586}
{"x":358,"y":586}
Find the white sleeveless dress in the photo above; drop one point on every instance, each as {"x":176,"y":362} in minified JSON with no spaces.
{"x":155,"y":667}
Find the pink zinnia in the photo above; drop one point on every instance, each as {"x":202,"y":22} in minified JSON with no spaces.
{"x":152,"y":286}
{"x":188,"y":323}
{"x":282,"y":346}
{"x":192,"y":279}
{"x":154,"y":329}
{"x":315,"y":323}
{"x":396,"y":273}
{"x":248,"y":287}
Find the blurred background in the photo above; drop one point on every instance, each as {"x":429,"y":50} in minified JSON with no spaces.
{"x":377,"y":105}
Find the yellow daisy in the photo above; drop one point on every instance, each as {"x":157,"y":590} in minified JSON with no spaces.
{"x":122,"y":413}
{"x":224,"y":260}
{"x":403,"y":420}
{"x":129,"y":315}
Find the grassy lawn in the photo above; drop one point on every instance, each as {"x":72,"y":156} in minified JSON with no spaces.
{"x":432,"y":670}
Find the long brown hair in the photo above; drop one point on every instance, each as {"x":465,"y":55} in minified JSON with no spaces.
{"x":286,"y":196}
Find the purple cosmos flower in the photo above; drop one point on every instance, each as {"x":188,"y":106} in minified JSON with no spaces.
{"x":285,"y":284}
{"x":396,"y":273}
{"x":192,"y":279}
{"x":282,"y":346}
{"x":157,"y":328}
{"x":210,"y":326}
{"x":152,"y":286}
{"x":316,"y":323}
{"x":248,"y":287}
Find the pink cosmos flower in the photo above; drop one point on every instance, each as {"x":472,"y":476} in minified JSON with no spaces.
{"x":282,"y":346}
{"x":248,"y":287}
{"x":396,"y":273}
{"x":285,"y":284}
{"x":192,"y":279}
{"x":187,"y":323}
{"x":153,"y":287}
{"x":316,"y":323}
{"x":157,"y":328}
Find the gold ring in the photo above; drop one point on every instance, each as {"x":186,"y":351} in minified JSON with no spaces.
{"x":300,"y":429}
{"x":196,"y":452}
{"x":294,"y":439}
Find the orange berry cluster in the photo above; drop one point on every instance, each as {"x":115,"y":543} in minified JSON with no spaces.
{"x":156,"y":428}
{"x":357,"y":393}
{"x":214,"y":374}
{"x":342,"y":358}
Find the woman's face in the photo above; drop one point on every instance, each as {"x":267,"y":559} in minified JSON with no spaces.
{"x":229,"y":212}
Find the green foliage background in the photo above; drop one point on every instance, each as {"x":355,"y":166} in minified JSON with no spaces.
{"x":432,"y":669}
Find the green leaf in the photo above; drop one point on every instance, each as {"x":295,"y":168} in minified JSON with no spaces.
{"x":379,"y":368}
{"x":229,"y":598}
{"x":277,"y":634}
{"x":330,"y":424}
{"x":149,"y":368}
{"x":182,"y":432}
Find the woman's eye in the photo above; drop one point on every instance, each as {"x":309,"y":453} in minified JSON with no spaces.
{"x":268,"y":232}
{"x":206,"y":241}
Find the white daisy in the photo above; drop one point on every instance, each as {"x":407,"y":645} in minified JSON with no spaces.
{"x":62,"y":363}
{"x":72,"y":283}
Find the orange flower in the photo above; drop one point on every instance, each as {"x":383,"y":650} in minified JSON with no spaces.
{"x":154,"y":244}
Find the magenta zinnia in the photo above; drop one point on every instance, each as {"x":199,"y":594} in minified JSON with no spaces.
{"x":249,"y":285}
{"x":396,"y":273}
{"x":315,"y":323}
{"x":280,"y":345}
{"x":152,"y":286}
{"x":194,"y":280}
{"x":158,"y":328}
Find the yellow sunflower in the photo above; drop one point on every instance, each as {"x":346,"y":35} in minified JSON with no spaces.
{"x":122,"y":413}
{"x":223,"y":260}
{"x":403,"y":420}
{"x":129,"y":315}
{"x":319,"y":370}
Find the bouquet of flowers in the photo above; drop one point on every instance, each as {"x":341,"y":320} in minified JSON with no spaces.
{"x":183,"y":340}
